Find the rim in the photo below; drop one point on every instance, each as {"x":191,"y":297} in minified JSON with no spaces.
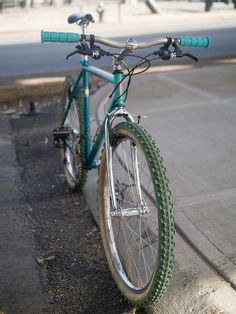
{"x":133,"y":240}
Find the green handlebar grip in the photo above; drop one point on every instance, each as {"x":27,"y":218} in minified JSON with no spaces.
{"x":60,"y":37}
{"x":195,"y":41}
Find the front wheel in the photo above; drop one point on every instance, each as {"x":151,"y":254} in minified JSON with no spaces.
{"x":138,"y":233}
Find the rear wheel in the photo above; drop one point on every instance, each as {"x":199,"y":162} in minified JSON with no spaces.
{"x":138,"y":233}
{"x":73,"y":151}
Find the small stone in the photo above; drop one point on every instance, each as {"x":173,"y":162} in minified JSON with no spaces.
{"x":50,"y":258}
{"x":43,"y":261}
{"x":40,"y":261}
{"x":8,"y":112}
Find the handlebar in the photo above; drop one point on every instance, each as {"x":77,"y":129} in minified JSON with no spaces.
{"x":68,"y":37}
{"x":195,"y":41}
{"x":62,"y":37}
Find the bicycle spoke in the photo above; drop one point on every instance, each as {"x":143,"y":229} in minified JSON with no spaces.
{"x":140,"y":249}
{"x":134,"y":232}
{"x":145,"y":264}
{"x":135,"y":266}
{"x":149,"y":240}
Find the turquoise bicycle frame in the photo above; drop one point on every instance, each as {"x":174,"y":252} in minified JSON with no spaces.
{"x":117,"y":100}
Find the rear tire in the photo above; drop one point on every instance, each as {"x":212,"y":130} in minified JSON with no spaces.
{"x":73,"y":158}
{"x":139,"y":247}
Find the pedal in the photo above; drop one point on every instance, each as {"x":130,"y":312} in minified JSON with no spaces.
{"x":60,"y":134}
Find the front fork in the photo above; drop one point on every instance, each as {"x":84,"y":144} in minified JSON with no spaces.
{"x":109,"y":164}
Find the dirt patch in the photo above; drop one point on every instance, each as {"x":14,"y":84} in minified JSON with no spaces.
{"x":69,"y":252}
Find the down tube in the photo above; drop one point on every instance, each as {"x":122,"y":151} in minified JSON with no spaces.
{"x":114,"y":79}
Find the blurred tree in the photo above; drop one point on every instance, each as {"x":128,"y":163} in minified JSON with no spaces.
{"x":100,"y":11}
{"x":208,"y":5}
{"x":151,"y":4}
{"x":22,"y":4}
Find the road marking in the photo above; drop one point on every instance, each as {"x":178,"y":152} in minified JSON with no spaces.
{"x":180,"y":67}
{"x":226,"y":61}
{"x":40,"y":80}
{"x":169,"y":68}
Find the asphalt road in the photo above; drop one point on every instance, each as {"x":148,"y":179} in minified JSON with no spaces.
{"x":34,"y":58}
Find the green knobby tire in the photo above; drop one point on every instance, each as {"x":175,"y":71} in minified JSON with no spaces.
{"x":75,"y":174}
{"x":139,"y":247}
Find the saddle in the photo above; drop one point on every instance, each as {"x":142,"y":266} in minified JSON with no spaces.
{"x":82,"y":18}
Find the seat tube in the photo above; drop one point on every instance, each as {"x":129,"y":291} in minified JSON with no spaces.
{"x":86,"y":102}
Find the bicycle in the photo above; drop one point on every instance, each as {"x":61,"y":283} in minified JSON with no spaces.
{"x":135,"y":205}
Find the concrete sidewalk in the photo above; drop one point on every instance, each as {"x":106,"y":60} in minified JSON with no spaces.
{"x":191,"y":114}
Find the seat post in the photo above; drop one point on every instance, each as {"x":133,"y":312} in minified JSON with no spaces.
{"x":84,"y":28}
{"x":84,"y":32}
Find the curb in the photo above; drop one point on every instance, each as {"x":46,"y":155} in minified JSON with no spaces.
{"x":14,"y":95}
{"x":17,"y":90}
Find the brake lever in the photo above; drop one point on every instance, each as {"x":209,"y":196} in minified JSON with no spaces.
{"x":71,"y":54}
{"x":187,"y":55}
{"x":83,"y":50}
{"x":96,"y":52}
{"x":180,"y":55}
{"x":191,"y":57}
